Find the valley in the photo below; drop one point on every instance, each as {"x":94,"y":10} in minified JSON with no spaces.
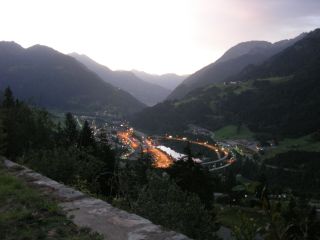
{"x":225,"y":147}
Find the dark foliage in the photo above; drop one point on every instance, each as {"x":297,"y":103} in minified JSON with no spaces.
{"x":191,"y":177}
{"x":62,"y":153}
{"x":70,"y":131}
{"x":298,"y":170}
{"x":162,"y":201}
{"x":86,"y":138}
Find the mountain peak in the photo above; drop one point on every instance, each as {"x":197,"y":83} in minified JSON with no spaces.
{"x":88,"y":62}
{"x":57,"y":81}
{"x":10,"y":47}
{"x":168,"y":80}
{"x":41,"y":48}
{"x":232,"y":62}
{"x":78,"y":55}
{"x":242,"y":49}
{"x":144,"y":91}
{"x":9,"y":43}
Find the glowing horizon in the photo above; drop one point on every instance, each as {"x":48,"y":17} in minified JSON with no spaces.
{"x":155,"y":36}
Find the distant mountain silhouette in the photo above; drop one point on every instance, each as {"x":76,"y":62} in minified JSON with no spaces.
{"x":231,"y":63}
{"x":51,"y":79}
{"x":169,"y":80}
{"x":279,"y":97}
{"x":146,"y":92}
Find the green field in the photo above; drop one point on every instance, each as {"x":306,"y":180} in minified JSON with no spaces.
{"x":276,"y":80}
{"x":294,"y":144}
{"x":231,"y":216}
{"x":184,"y":101}
{"x":231,"y":132}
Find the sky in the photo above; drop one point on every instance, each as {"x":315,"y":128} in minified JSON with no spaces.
{"x":156,"y":36}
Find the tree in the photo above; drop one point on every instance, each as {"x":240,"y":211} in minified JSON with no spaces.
{"x":230,"y":179}
{"x":17,"y":125}
{"x":163,"y":202}
{"x":300,"y":221}
{"x":187,"y":150}
{"x":192,"y":177}
{"x":8,"y":100}
{"x":131,"y":178}
{"x":6,"y":122}
{"x":263,"y":182}
{"x":70,"y":130}
{"x":106,"y":177}
{"x":247,"y":229}
{"x":86,"y":136}
{"x":3,"y":137}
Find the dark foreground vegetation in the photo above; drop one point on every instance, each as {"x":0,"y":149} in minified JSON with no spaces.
{"x":26,"y":214}
{"x":73,"y":156}
{"x":180,"y":197}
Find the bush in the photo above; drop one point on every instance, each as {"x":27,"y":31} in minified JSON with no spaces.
{"x":163,"y":202}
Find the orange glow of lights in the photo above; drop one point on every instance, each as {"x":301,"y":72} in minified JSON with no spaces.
{"x":162,"y":160}
{"x":128,"y":139}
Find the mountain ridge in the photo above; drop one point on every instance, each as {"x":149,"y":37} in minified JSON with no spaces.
{"x":279,"y":97}
{"x":146,"y":92}
{"x":168,"y":80}
{"x":230,"y":63}
{"x":57,"y":81}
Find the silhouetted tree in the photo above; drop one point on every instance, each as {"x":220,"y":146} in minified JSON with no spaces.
{"x":163,"y":202}
{"x":132,"y":177}
{"x":187,"y":150}
{"x":71,"y":133}
{"x":262,"y":179}
{"x":86,"y":136}
{"x":3,"y":137}
{"x":8,"y":101}
{"x":192,"y":177}
{"x":230,"y":179}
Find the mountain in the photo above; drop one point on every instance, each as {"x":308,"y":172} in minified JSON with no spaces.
{"x":231,"y":63}
{"x":144,"y":91}
{"x":169,"y":81}
{"x":53,"y":80}
{"x":278,"y":97}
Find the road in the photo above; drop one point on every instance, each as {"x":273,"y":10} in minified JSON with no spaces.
{"x":127,"y":138}
{"x":204,"y":144}
{"x":163,"y":160}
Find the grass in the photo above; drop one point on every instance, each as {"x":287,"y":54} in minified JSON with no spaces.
{"x":231,"y":132}
{"x":26,"y":214}
{"x":184,"y":101}
{"x":245,"y":86}
{"x":231,"y":216}
{"x":277,"y":79}
{"x":304,"y":143}
{"x":235,"y":88}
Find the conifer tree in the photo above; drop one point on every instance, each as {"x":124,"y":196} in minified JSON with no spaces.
{"x":2,"y":138}
{"x":8,"y":100}
{"x":70,"y":130}
{"x":86,"y":136}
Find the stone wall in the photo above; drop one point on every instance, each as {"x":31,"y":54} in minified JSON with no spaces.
{"x":100,"y":216}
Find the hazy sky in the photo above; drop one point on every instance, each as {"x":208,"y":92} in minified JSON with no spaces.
{"x":157,"y":36}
